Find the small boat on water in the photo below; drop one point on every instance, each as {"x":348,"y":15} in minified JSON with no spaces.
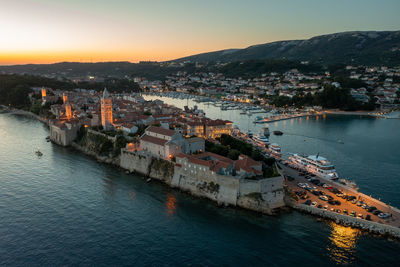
{"x":38,"y":153}
{"x":258,"y":119}
{"x":265,"y":131}
{"x":277,"y":132}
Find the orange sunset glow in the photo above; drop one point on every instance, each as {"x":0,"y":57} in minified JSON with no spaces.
{"x":44,"y":31}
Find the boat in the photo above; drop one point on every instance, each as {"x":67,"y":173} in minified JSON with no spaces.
{"x":48,"y":138}
{"x":258,"y":119}
{"x":274,"y":147}
{"x":275,"y":150}
{"x":348,"y":183}
{"x":261,"y":140}
{"x":38,"y":153}
{"x":265,"y":131}
{"x":315,"y":164}
{"x":277,"y":132}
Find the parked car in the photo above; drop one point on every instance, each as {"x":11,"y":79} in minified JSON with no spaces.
{"x":337,"y":210}
{"x":329,"y":197}
{"x":345,"y":212}
{"x":337,"y":202}
{"x":313,"y":204}
{"x":319,"y":206}
{"x":368,"y":217}
{"x":376,"y":212}
{"x":307,"y":202}
{"x":316,"y":192}
{"x":350,"y":198}
{"x":324,"y":198}
{"x":325,"y":207}
{"x":371,"y":208}
{"x":332,"y":202}
{"x":383,"y":215}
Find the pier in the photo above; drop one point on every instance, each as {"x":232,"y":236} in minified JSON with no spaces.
{"x":283,"y":117}
{"x":389,"y":225}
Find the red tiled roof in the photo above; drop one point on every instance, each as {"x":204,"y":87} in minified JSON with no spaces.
{"x":161,"y":116}
{"x":154,"y":140}
{"x":210,"y":154}
{"x":200,"y":162}
{"x":247,"y":164}
{"x":160,"y":130}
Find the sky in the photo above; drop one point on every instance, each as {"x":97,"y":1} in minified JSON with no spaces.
{"x":48,"y":31}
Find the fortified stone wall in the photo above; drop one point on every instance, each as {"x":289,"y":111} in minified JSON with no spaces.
{"x":223,"y":189}
{"x":271,"y":190}
{"x":229,"y":190}
{"x":135,"y":161}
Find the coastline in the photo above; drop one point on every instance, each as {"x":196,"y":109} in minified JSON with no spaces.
{"x":25,"y":113}
{"x":371,"y":227}
{"x":342,"y":112}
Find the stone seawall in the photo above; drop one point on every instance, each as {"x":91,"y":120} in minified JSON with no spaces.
{"x":263,"y":195}
{"x":219,"y":188}
{"x":270,"y":189}
{"x":135,"y":162}
{"x":369,"y":226}
{"x":104,"y":159}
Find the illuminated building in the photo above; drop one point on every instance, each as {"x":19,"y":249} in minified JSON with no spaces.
{"x":65,"y":98}
{"x":106,"y":111}
{"x":43,"y":94}
{"x":68,"y":111}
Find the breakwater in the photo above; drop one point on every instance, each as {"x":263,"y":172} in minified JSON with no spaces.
{"x":369,"y":226}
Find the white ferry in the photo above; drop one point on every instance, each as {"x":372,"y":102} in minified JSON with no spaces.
{"x":315,"y":164}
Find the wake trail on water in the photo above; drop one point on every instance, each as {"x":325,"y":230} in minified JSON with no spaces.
{"x":314,"y":137}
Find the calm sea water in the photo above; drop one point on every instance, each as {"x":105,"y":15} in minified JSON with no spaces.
{"x":66,"y":209}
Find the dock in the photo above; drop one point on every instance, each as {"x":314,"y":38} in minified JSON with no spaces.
{"x":283,"y":117}
{"x":390,"y":225}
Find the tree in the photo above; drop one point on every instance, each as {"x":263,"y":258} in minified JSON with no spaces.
{"x":234,"y":154}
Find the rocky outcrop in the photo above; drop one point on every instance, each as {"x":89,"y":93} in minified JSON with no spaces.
{"x":104,"y":159}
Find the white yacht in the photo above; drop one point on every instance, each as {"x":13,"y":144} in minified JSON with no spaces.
{"x":262,"y":140}
{"x":315,"y":164}
{"x":274,"y":149}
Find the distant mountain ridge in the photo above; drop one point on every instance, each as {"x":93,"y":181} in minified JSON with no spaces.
{"x":357,"y":47}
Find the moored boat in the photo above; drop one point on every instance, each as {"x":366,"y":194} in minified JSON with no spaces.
{"x":315,"y":164}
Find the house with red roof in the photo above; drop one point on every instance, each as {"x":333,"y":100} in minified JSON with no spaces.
{"x":166,"y":143}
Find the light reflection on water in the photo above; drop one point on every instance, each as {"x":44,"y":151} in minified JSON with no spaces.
{"x":171,"y":204}
{"x":342,"y":247}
